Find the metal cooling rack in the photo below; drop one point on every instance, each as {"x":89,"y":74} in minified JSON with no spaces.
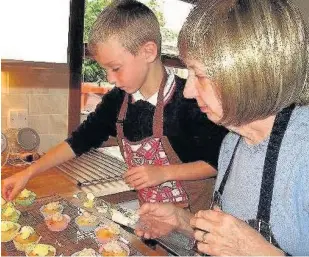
{"x":66,"y":242}
{"x":94,"y":167}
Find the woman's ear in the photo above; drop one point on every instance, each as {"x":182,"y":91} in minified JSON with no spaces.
{"x":150,"y":51}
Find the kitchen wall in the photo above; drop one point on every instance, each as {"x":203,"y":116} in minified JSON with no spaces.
{"x":43,"y":90}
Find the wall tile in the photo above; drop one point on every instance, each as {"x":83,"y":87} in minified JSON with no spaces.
{"x":58,"y":124}
{"x":49,"y":141}
{"x":58,"y":91}
{"x":48,"y":104}
{"x":3,"y":123}
{"x":9,"y":101}
{"x":45,"y":143}
{"x":39,"y":123}
{"x":44,"y":91}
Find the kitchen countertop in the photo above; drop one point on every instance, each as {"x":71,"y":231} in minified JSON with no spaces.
{"x":59,"y":183}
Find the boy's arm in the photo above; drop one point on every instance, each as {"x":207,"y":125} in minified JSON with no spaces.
{"x":12,"y":185}
{"x":99,"y":125}
{"x":153,"y":175}
{"x":55,"y":156}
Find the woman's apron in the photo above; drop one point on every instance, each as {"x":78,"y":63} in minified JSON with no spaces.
{"x":261,"y":223}
{"x":154,"y":150}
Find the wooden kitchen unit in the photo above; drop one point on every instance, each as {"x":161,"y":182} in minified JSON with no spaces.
{"x":55,"y":182}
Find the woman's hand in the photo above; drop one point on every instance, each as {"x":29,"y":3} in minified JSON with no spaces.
{"x":145,"y":176}
{"x":157,"y":219}
{"x":13,"y":185}
{"x":220,"y":234}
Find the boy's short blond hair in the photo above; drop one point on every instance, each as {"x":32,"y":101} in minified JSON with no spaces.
{"x":256,"y":51}
{"x":129,"y":21}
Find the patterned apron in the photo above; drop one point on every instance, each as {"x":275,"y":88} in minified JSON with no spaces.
{"x":261,"y":223}
{"x":154,"y":150}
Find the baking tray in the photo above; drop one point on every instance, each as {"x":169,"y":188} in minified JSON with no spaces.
{"x":66,"y":242}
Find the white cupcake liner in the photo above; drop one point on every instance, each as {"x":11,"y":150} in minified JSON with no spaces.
{"x":27,"y":201}
{"x":121,"y":244}
{"x":30,"y":248}
{"x":77,"y":254}
{"x":22,"y":247}
{"x":14,"y":218}
{"x":115,"y":237}
{"x":86,"y":228}
{"x":45,"y":215}
{"x":9,"y":237}
{"x":51,"y":228}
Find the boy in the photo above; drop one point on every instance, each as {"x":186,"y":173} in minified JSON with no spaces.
{"x":156,"y":127}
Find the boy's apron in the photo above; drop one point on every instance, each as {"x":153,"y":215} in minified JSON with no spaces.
{"x":261,"y":223}
{"x":157,"y":150}
{"x":154,"y":150}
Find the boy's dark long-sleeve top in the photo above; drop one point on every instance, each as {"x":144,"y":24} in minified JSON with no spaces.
{"x":189,"y":131}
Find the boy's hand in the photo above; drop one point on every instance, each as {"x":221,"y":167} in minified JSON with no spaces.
{"x":157,"y":219}
{"x":145,"y":176}
{"x":13,"y":185}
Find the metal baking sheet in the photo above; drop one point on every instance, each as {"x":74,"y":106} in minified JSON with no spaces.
{"x":66,"y":242}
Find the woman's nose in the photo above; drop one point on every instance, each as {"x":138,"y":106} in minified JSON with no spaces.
{"x":190,"y":91}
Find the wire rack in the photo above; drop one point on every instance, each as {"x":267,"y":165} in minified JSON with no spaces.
{"x":66,"y":242}
{"x":94,"y":167}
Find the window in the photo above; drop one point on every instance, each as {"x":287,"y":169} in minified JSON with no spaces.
{"x":35,"y":30}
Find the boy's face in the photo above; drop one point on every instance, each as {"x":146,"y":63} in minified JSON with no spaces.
{"x":127,"y":71}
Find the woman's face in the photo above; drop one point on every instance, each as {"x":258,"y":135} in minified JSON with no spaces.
{"x":204,"y":90}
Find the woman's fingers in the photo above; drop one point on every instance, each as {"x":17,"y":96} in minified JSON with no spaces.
{"x":201,"y":235}
{"x":202,"y":224}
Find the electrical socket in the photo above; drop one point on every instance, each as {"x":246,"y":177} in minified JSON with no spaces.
{"x":18,"y":118}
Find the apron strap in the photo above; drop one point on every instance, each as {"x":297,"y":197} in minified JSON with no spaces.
{"x":120,"y":120}
{"x":157,"y":124}
{"x":270,"y":164}
{"x":229,"y":168}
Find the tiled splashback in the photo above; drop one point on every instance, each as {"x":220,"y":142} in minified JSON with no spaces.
{"x":44,"y":92}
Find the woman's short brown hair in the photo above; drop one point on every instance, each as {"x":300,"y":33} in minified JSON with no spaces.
{"x":256,"y":51}
{"x":130,"y":21}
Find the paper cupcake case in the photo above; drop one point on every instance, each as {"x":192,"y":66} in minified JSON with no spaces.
{"x":105,"y":240}
{"x":86,"y":228}
{"x":79,"y":252}
{"x":12,"y":218}
{"x":6,"y":237}
{"x":27,"y":201}
{"x":23,"y":246}
{"x":121,"y":244}
{"x":31,"y":247}
{"x":55,"y":228}
{"x":45,"y":215}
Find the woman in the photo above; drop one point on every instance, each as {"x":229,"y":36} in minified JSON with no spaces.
{"x":248,"y":65}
